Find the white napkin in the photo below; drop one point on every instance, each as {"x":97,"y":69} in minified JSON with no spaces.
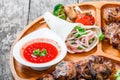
{"x":59,"y":26}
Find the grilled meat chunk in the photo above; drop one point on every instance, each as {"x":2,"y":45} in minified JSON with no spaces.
{"x":94,"y":68}
{"x":112,"y":15}
{"x":112,"y":28}
{"x":65,"y":70}
{"x":112,"y":34}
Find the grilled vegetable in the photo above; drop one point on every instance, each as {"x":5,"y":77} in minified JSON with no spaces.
{"x":59,"y":11}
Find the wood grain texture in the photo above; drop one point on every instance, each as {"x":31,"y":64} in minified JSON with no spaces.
{"x":13,"y":18}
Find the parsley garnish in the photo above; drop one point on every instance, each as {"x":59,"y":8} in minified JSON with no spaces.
{"x":37,"y":52}
{"x":80,"y":29}
{"x":101,"y":36}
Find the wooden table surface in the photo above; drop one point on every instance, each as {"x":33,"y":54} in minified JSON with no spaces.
{"x":14,"y":16}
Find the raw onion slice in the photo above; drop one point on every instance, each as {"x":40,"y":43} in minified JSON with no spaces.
{"x":82,"y":43}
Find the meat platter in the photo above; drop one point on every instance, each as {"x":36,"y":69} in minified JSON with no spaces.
{"x":108,"y":49}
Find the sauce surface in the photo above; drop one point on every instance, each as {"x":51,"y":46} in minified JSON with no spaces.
{"x":27,"y":52}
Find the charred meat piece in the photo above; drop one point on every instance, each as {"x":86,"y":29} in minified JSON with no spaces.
{"x":94,"y":68}
{"x":110,"y":30}
{"x":112,"y":15}
{"x":46,"y":77}
{"x":65,"y":70}
{"x":116,"y":39}
{"x":112,"y":34}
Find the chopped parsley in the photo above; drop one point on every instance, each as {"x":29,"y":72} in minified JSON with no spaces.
{"x":37,"y":52}
{"x":101,"y":36}
{"x":80,"y":31}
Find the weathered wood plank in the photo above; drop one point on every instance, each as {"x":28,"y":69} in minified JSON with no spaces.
{"x":38,"y":7}
{"x":68,"y":2}
{"x":87,"y":0}
{"x":96,"y":0}
{"x":13,"y":18}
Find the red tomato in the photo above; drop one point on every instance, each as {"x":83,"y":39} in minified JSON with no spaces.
{"x":86,"y":19}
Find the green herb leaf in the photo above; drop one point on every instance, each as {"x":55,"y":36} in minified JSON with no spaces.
{"x":36,"y":52}
{"x":117,"y":75}
{"x":101,"y":36}
{"x":80,"y":29}
{"x":72,"y":43}
{"x":91,"y":41}
{"x":80,"y":48}
{"x":118,"y":78}
{"x":78,"y":35}
{"x":43,"y":53}
{"x":76,"y":27}
{"x":83,"y":33}
{"x":62,"y":16}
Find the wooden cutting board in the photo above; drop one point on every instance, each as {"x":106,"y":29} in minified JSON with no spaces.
{"x":21,"y":72}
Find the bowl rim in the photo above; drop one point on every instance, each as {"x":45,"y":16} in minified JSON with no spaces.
{"x":56,"y":38}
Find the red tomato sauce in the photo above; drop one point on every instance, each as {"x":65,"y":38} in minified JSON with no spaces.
{"x":27,"y":52}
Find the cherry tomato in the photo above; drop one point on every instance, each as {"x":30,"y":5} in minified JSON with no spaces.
{"x":85,"y":18}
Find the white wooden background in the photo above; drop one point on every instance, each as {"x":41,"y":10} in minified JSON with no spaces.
{"x":14,"y":16}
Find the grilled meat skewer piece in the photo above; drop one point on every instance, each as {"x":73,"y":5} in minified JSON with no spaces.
{"x":65,"y":70}
{"x":112,"y":34}
{"x":112,"y":15}
{"x":94,"y":68}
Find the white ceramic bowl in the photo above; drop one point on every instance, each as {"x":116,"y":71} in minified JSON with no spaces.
{"x":42,"y":33}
